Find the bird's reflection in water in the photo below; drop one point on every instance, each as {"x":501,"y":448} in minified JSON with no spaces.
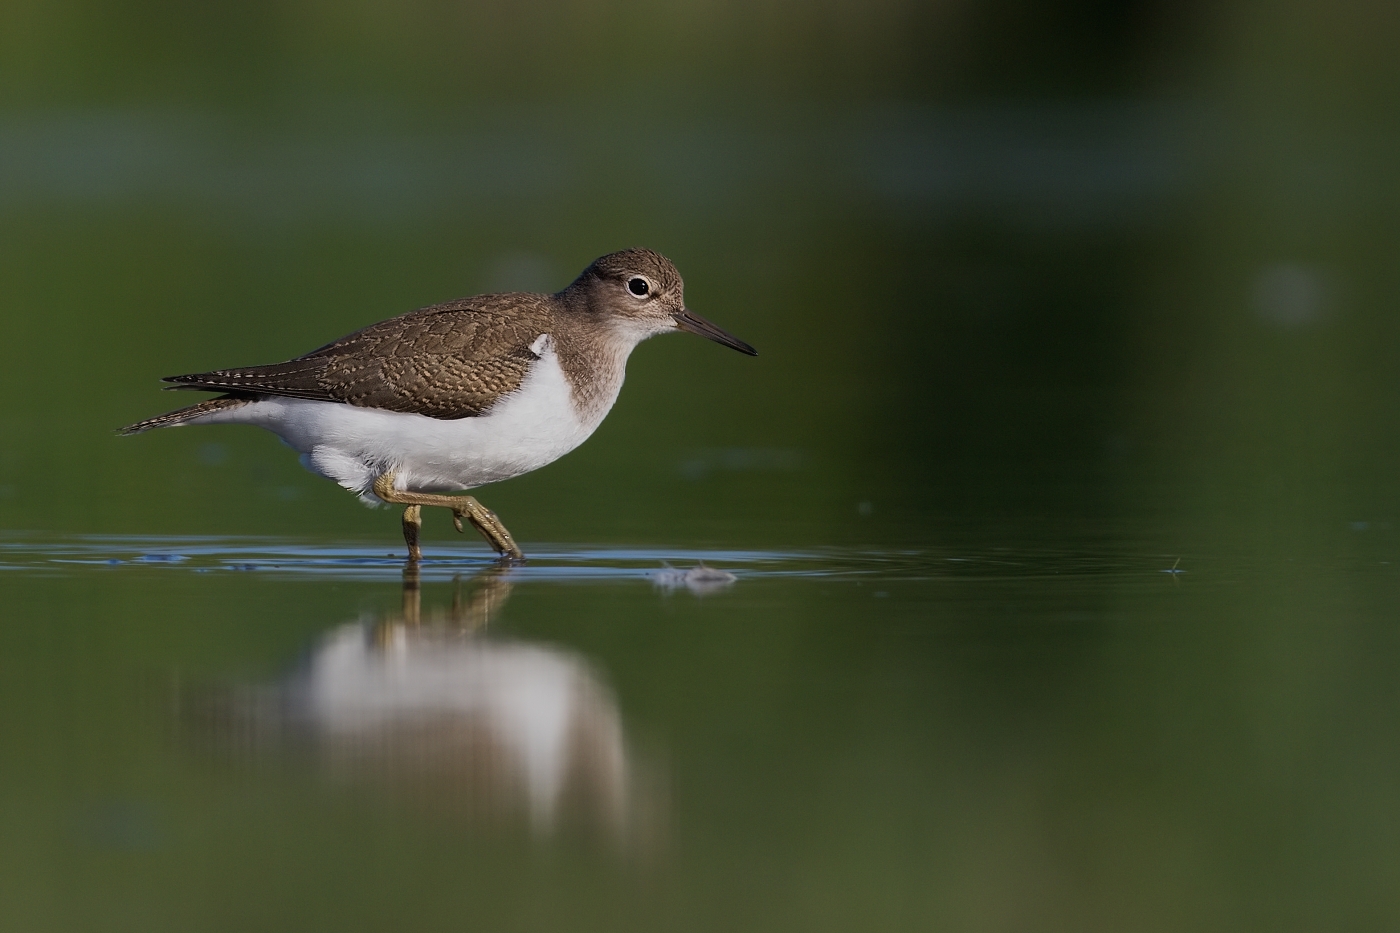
{"x":429,"y":706}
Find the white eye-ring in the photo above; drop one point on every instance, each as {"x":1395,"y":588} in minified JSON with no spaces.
{"x":639,"y":286}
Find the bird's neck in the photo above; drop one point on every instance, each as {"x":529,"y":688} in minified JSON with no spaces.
{"x":594,"y":360}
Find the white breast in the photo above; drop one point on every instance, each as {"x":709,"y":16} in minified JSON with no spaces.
{"x":533,"y":426}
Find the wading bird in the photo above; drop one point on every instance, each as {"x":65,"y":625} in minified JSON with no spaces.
{"x":457,"y":395}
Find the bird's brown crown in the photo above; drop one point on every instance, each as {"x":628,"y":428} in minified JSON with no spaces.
{"x":630,"y":282}
{"x":626,"y":263}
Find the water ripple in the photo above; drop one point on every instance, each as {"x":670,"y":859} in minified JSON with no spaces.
{"x":59,"y":555}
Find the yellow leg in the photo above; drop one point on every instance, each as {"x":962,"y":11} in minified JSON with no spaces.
{"x":412,"y":525}
{"x":482,"y":518}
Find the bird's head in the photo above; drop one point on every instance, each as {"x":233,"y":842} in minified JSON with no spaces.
{"x":641,"y":294}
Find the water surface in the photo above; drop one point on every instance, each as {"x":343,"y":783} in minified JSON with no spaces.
{"x":224,"y":733}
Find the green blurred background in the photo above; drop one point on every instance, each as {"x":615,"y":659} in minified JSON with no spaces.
{"x":1071,"y":289}
{"x":1078,"y":250}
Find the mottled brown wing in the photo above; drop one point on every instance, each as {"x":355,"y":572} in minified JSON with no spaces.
{"x":448,"y":361}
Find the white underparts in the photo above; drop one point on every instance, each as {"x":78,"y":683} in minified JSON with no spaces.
{"x":530,"y":427}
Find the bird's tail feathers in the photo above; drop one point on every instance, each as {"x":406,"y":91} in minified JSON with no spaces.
{"x":184,"y":415}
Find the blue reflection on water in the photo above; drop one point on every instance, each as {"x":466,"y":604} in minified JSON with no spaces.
{"x":663,"y":567}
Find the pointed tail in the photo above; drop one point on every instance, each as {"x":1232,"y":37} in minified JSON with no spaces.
{"x":185,"y":415}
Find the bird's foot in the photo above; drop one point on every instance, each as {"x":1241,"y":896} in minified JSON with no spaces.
{"x":482,"y":518}
{"x":485,"y":521}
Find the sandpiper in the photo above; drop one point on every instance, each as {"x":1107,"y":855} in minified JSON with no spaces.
{"x":457,"y":395}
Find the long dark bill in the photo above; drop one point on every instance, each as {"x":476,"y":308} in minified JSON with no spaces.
{"x":690,"y":321}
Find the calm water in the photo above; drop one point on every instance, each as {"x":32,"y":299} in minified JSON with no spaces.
{"x":264,"y":733}
{"x":1040,"y":573}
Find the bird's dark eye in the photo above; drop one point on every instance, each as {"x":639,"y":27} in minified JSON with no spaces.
{"x":638,"y":287}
